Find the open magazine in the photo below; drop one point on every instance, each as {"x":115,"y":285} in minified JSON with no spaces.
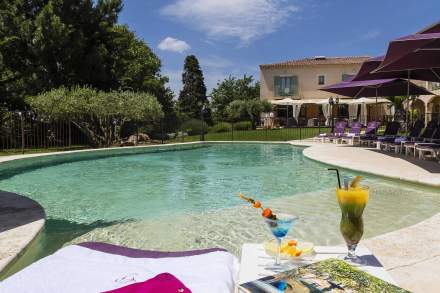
{"x":331,"y":275}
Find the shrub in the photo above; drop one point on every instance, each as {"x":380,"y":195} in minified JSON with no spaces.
{"x":221,"y":127}
{"x":243,"y":125}
{"x":193,"y":126}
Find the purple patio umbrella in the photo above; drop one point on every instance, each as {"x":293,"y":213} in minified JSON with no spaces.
{"x":433,"y":28}
{"x":375,"y":88}
{"x":418,"y":55}
{"x":369,"y":71}
{"x":419,"y":52}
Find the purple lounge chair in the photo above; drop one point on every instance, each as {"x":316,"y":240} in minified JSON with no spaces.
{"x":353,"y":133}
{"x":370,"y":133}
{"x":429,"y":146}
{"x":414,"y":134}
{"x":338,"y":132}
{"x":426,"y":136}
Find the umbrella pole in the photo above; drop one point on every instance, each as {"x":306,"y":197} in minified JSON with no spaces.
{"x":376,"y":106}
{"x":407,"y":103}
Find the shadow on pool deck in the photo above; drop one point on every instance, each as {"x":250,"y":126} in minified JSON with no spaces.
{"x":17,"y":210}
{"x":430,"y":166}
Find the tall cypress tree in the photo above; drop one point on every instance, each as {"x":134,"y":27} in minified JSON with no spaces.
{"x":193,"y":94}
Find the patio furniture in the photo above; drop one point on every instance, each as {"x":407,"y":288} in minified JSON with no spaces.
{"x":427,"y":134}
{"x":432,"y":150}
{"x":99,"y":267}
{"x":370,"y":133}
{"x":425,"y":146}
{"x":339,"y":131}
{"x":396,"y":145}
{"x":353,"y":134}
{"x":255,"y":263}
{"x":391,"y":130}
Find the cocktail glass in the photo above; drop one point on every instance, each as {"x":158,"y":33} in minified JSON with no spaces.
{"x":279,"y":228}
{"x":352,"y":202}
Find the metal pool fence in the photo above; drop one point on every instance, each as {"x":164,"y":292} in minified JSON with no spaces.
{"x":22,"y":132}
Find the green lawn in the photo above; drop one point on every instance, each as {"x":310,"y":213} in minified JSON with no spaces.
{"x":283,"y":134}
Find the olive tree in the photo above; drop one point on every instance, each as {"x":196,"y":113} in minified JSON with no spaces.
{"x":99,"y":115}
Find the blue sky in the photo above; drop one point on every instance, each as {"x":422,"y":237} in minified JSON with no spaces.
{"x":232,"y":37}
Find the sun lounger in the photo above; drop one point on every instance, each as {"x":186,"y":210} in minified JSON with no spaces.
{"x":338,"y":132}
{"x":426,"y":136}
{"x":415,"y":132}
{"x":353,"y":134}
{"x":429,"y":150}
{"x":389,"y":135}
{"x":370,"y":133}
{"x":100,"y":267}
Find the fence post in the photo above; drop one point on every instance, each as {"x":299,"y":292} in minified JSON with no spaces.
{"x":265,"y":133}
{"x":300,"y":134}
{"x":161,"y":130}
{"x":70,"y":134}
{"x":22,"y":131}
{"x":232,"y":130}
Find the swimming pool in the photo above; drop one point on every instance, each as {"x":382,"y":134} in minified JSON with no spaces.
{"x":187,"y":197}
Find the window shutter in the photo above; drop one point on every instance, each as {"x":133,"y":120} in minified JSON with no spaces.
{"x":277,"y":86}
{"x":294,"y":87}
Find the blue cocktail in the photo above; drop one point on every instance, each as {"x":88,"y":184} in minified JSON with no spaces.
{"x":279,"y":228}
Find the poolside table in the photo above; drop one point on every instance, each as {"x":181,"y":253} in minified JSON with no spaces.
{"x":255,"y":263}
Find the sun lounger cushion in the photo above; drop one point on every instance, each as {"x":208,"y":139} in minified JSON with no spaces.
{"x":100,"y":267}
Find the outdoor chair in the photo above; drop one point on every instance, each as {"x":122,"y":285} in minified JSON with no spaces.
{"x":391,"y":130}
{"x":353,"y":134}
{"x":427,"y":134}
{"x":432,"y":151}
{"x":430,"y":146}
{"x":414,"y":134}
{"x":339,"y":131}
{"x":370,"y":133}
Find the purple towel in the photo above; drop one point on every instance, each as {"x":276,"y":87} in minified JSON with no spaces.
{"x":164,"y":283}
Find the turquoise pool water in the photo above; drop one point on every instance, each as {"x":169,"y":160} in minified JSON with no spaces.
{"x":188,"y":198}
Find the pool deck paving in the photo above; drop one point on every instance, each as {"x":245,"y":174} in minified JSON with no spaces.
{"x":411,"y":255}
{"x":21,"y":219}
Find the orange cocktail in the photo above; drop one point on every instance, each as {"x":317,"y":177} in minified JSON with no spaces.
{"x":352,"y":202}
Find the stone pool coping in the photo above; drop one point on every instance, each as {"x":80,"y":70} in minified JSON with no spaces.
{"x":21,"y":219}
{"x":412,"y":254}
{"x":325,"y":153}
{"x":372,"y":161}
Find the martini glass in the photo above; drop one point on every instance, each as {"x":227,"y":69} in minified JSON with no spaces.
{"x":279,"y":228}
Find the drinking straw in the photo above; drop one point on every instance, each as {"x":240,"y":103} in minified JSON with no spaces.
{"x":337,"y":175}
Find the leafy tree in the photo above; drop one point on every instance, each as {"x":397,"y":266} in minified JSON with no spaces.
{"x":46,"y":44}
{"x":247,"y":110}
{"x":233,"y":89}
{"x":192,"y":97}
{"x":397,"y":101}
{"x":99,"y":115}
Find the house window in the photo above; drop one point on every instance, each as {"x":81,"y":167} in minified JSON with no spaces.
{"x":286,"y":86}
{"x":346,"y":77}
{"x":321,"y":79}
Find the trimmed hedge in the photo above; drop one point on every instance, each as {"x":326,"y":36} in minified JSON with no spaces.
{"x":221,"y":127}
{"x":243,"y":125}
{"x":194,"y":126}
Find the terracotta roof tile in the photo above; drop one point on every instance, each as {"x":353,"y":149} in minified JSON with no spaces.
{"x":318,"y":60}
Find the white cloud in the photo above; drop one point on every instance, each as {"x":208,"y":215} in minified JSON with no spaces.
{"x":246,"y":20}
{"x":174,"y":45}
